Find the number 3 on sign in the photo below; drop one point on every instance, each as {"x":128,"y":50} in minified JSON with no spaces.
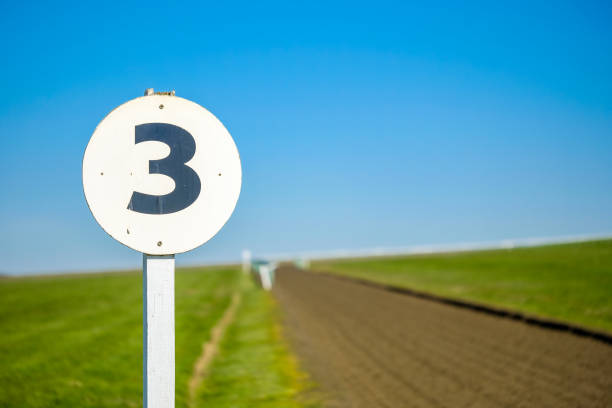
{"x":203,"y":163}
{"x":187,"y":183}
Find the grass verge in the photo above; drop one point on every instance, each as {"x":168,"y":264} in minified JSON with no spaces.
{"x":76,"y":340}
{"x":254,"y":367}
{"x":569,"y":282}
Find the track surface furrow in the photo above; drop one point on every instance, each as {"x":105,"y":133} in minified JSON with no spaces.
{"x":368,"y":347}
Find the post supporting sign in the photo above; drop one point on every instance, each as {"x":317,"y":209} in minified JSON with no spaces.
{"x":158,"y":330}
{"x":161,"y":175}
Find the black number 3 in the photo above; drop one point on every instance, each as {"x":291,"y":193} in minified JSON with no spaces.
{"x":187,"y":183}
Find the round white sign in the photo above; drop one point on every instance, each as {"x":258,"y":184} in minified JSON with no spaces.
{"x":161,"y":174}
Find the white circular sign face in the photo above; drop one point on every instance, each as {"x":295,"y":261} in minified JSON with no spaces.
{"x":161,"y":174}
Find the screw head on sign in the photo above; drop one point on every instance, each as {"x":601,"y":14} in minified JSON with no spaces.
{"x":159,"y":243}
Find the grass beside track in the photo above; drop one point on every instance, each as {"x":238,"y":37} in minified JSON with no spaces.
{"x":254,"y":361}
{"x":76,"y":340}
{"x":569,"y":282}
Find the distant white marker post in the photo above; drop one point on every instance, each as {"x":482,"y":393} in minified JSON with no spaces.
{"x":246,"y":261}
{"x":162,"y":176}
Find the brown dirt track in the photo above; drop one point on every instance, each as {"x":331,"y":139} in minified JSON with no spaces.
{"x":368,"y":347}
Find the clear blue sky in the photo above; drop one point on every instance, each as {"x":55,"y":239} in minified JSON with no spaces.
{"x":358,"y":124}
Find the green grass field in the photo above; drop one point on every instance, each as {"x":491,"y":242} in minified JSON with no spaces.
{"x":76,"y":341}
{"x":570,"y":282}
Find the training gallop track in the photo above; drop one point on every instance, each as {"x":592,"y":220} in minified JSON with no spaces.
{"x":368,"y":347}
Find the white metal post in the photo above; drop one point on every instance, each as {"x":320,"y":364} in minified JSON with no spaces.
{"x":264,"y":276}
{"x":158,"y":331}
{"x":246,"y":261}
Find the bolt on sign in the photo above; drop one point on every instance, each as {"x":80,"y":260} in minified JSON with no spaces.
{"x":161,"y":175}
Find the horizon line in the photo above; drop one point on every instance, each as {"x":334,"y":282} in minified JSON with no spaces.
{"x":379,"y":251}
